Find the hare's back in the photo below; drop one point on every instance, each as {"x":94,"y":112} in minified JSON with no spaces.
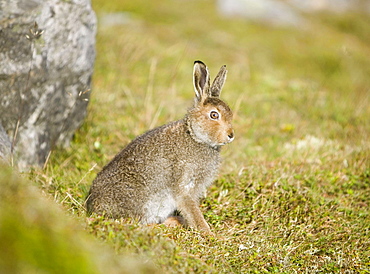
{"x":148,"y":156}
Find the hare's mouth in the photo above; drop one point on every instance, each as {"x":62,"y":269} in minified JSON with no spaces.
{"x":227,"y":142}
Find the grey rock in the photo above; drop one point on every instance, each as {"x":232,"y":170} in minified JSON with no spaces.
{"x":5,"y":145}
{"x":286,"y":13}
{"x":44,"y":79}
{"x":271,"y":12}
{"x":336,"y":6}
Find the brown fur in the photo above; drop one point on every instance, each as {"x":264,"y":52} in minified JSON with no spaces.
{"x":170,"y":167}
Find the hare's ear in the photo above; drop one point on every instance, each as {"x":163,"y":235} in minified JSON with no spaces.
{"x":201,"y":80}
{"x":218,"y":82}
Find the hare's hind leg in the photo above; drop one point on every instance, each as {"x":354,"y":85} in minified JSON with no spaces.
{"x":174,"y":221}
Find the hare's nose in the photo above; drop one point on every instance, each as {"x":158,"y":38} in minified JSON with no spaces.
{"x":231,"y":136}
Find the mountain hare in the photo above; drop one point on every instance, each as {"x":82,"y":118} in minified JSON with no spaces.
{"x":168,"y":168}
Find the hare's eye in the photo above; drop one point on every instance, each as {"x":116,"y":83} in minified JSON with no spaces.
{"x":214,"y":115}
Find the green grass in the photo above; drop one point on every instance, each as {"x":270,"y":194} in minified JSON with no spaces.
{"x":37,"y":236}
{"x":294,"y":189}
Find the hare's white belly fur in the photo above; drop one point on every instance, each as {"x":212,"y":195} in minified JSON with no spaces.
{"x":159,"y":207}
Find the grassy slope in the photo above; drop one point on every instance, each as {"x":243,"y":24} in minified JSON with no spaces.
{"x":37,"y":237}
{"x":293,"y":193}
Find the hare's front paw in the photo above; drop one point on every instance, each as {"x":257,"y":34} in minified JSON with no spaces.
{"x":205,"y":230}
